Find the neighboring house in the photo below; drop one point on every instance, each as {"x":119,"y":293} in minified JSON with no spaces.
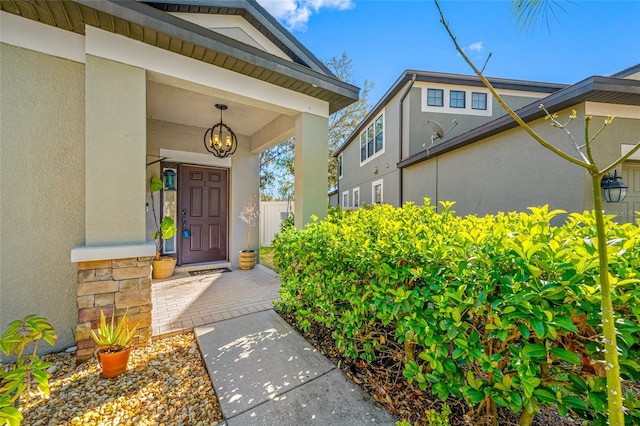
{"x":98,"y":96}
{"x":484,"y":162}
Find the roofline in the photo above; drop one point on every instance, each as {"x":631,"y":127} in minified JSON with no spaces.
{"x":148,"y":16}
{"x":627,"y":71}
{"x":583,"y":91}
{"x":130,"y":18}
{"x":448,"y":78}
{"x":256,"y":10}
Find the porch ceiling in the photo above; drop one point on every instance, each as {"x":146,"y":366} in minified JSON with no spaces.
{"x":194,"y":106}
{"x":144,"y":23}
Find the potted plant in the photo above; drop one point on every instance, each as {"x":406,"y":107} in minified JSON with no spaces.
{"x":114,"y":345}
{"x":162,"y":266}
{"x":249,"y":215}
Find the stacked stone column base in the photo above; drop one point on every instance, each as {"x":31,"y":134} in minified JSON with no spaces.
{"x":115,"y":287}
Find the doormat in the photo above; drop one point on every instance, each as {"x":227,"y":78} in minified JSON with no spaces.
{"x":209,"y":271}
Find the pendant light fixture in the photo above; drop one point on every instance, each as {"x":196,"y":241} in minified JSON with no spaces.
{"x":220,"y":139}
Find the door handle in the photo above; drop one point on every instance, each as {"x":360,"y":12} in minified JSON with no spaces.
{"x":185,"y":230}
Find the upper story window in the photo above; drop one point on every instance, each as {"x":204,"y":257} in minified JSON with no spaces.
{"x":435,"y":97}
{"x":456,"y":99}
{"x":340,"y":165}
{"x":372,"y":140}
{"x":478,"y":101}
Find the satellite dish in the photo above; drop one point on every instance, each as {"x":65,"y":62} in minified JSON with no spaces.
{"x":438,"y":131}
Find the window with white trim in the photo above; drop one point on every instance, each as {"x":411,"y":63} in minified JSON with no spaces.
{"x":372,"y":139}
{"x":376,"y":192}
{"x":340,"y":165}
{"x":435,"y":97}
{"x":345,"y":199}
{"x":356,"y":197}
{"x":478,"y":100}
{"x":456,"y":99}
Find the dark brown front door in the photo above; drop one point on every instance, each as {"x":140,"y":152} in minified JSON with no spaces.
{"x":203,"y":213}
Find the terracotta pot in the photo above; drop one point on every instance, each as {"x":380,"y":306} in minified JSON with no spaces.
{"x":113,"y":363}
{"x":247,"y":259}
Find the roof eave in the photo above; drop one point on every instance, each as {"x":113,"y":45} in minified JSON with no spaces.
{"x":590,"y":89}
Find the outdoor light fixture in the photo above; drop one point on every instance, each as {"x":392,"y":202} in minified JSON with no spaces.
{"x":613,"y":191}
{"x":220,"y":139}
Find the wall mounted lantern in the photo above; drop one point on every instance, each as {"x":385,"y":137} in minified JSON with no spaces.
{"x":220,"y":139}
{"x":613,"y":189}
{"x":170,"y":180}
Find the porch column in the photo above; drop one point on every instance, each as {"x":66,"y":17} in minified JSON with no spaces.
{"x":311,"y":183}
{"x":114,"y":267}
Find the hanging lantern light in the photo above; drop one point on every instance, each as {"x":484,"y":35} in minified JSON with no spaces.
{"x":220,"y":139}
{"x":613,"y":191}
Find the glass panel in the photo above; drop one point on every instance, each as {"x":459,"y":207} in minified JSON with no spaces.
{"x":457,"y":99}
{"x":479,"y":101}
{"x":363,"y":146}
{"x":378,"y":194}
{"x":434,"y":97}
{"x":356,"y":198}
{"x":379,"y":138}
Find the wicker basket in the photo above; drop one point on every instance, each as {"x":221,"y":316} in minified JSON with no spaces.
{"x":163,"y":268}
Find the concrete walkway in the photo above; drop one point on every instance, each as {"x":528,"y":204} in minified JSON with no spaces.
{"x":263,"y":371}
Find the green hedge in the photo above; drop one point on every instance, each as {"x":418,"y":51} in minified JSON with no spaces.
{"x":497,"y":310}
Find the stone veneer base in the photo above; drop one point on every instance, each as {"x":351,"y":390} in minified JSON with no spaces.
{"x":116,"y":287}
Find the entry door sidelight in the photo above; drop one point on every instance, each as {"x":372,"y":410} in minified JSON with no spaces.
{"x":202,"y":213}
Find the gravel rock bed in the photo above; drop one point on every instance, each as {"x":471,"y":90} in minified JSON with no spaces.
{"x":166,"y":383}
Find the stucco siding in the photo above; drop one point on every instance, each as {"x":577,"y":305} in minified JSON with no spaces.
{"x":42,"y":186}
{"x":116,"y":149}
{"x":382,"y":166}
{"x":507,"y":172}
{"x":420,"y":131}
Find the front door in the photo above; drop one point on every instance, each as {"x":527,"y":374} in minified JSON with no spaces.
{"x":202,"y":212}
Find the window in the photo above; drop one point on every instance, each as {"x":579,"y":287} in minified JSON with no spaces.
{"x":379,"y":139}
{"x":372,"y":140}
{"x":479,"y":100}
{"x":434,"y":97}
{"x":345,"y":199}
{"x":376,"y":191}
{"x":456,"y":99}
{"x":356,"y":197}
{"x":340,"y":166}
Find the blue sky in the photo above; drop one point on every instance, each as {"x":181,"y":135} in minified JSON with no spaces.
{"x":385,"y":37}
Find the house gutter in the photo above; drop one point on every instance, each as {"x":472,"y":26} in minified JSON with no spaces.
{"x":401,"y":116}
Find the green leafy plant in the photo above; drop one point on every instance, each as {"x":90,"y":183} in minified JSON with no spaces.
{"x":166,"y":228}
{"x":498,"y":311}
{"x":439,"y":418}
{"x":19,"y":371}
{"x":111,"y":337}
{"x":587,"y":160}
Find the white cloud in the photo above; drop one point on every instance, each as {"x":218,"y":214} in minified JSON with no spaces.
{"x":474,"y":47}
{"x":295,"y":14}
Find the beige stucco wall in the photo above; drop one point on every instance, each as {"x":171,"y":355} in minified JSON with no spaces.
{"x":243,"y":175}
{"x":42,"y":186}
{"x":116,"y":152}
{"x":507,"y":172}
{"x":310,"y":168}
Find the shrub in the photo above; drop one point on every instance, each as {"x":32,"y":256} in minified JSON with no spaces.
{"x":501,"y":310}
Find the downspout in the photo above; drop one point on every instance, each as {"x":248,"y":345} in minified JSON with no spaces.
{"x":404,"y":95}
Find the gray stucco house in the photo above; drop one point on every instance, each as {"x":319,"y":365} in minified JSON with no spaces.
{"x":98,"y":96}
{"x":483,"y":161}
